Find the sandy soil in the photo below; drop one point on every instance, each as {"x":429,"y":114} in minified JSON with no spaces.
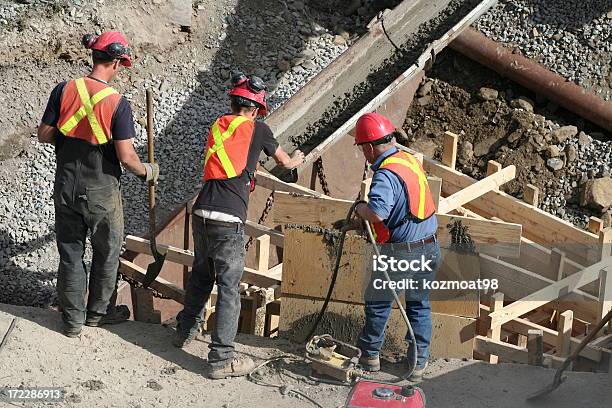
{"x":134,"y":365}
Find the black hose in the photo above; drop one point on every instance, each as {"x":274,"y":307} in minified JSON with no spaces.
{"x":349,"y":215}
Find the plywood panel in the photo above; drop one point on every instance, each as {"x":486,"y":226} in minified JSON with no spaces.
{"x":452,"y":336}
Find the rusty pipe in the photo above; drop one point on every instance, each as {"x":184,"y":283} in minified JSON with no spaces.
{"x":534,"y":76}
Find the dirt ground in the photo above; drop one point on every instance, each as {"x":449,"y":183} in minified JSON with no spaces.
{"x":134,"y":365}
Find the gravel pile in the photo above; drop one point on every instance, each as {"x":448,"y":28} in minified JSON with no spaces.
{"x":570,"y":37}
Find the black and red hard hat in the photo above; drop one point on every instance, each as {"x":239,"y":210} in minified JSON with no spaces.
{"x":249,"y":91}
{"x":111,"y":42}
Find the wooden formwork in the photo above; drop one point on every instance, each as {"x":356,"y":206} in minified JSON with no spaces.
{"x":554,"y":277}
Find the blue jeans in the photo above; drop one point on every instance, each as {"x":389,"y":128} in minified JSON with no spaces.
{"x":218,"y":257}
{"x":418,"y":309}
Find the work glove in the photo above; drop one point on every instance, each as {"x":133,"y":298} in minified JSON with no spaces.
{"x":151,"y":172}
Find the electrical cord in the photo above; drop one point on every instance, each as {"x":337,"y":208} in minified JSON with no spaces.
{"x":382,"y":23}
{"x":349,"y":215}
{"x":284,"y":389}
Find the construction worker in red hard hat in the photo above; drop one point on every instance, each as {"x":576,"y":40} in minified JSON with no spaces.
{"x":400,"y":210}
{"x":92,"y":128}
{"x":235,"y":142}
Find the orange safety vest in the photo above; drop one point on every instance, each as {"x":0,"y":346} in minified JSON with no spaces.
{"x":86,"y":110}
{"x":411,"y":172}
{"x":228,"y":146}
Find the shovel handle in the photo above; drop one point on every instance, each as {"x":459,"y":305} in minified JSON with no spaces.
{"x":150,"y":145}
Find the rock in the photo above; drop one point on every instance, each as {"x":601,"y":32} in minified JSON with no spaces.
{"x":488,"y":94}
{"x":425,"y":89}
{"x":554,"y":164}
{"x":465,"y":153}
{"x":522,"y":103}
{"x":552,"y":151}
{"x":483,"y":147}
{"x":424,"y":100}
{"x":309,"y":65}
{"x":514,"y":136}
{"x":571,"y":153}
{"x":339,"y":40}
{"x":283,"y":65}
{"x":563,"y":133}
{"x":607,"y":219}
{"x":425,"y":145}
{"x":597,"y":194}
{"x":583,"y":140}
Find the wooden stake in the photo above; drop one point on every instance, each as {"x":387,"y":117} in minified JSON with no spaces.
{"x":531,"y":195}
{"x":262,"y":253}
{"x":365,"y":189}
{"x":605,"y":294}
{"x":522,"y":341}
{"x":556,"y":263}
{"x":535,"y":347}
{"x":595,"y":225}
{"x":494,"y":332}
{"x":493,"y":167}
{"x":435,"y":186}
{"x":564,"y":340}
{"x":449,"y":150}
{"x":605,"y":242}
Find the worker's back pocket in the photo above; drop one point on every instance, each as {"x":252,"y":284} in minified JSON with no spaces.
{"x":102,"y":200}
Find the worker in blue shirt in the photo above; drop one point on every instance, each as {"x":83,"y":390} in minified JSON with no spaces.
{"x":401,"y":212}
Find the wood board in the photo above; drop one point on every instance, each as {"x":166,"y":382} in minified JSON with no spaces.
{"x":452,"y":335}
{"x":491,"y":237}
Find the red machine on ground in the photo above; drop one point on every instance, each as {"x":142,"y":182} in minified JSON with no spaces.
{"x":371,"y":394}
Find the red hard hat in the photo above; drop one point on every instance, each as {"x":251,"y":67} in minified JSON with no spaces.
{"x":119,"y":47}
{"x":243,"y":91}
{"x":371,"y":127}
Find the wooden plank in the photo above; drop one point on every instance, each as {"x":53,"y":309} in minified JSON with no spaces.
{"x":258,"y":278}
{"x":477,"y":189}
{"x":538,"y":225}
{"x":490,"y":237}
{"x":173,"y":254}
{"x":531,"y":195}
{"x":535,"y":347}
{"x":262,"y":253}
{"x":185,"y":257}
{"x":550,"y":293}
{"x":556,"y":263}
{"x":365,"y":189}
{"x":564,"y":339}
{"x":161,"y":285}
{"x":506,"y":351}
{"x":452,"y":336}
{"x":605,"y":294}
{"x":518,"y":283}
{"x":255,"y":230}
{"x":435,"y":186}
{"x":449,"y":149}
{"x":494,"y":331}
{"x":267,"y":180}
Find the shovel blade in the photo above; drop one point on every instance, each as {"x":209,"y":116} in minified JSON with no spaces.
{"x":153,"y":270}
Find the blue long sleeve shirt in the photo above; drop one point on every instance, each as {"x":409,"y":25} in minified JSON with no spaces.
{"x":389,"y":200}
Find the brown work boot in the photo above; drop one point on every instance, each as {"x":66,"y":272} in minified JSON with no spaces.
{"x":371,"y":364}
{"x":417,"y":374}
{"x":237,"y":368}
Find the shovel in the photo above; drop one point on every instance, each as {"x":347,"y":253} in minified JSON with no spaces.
{"x":558,"y":380}
{"x":155,"y":267}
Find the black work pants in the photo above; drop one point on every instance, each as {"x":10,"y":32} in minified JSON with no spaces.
{"x":99,"y":211}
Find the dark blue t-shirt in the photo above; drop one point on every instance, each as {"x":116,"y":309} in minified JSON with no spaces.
{"x":389,"y":200}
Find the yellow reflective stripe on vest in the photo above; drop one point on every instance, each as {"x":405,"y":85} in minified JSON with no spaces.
{"x":219,"y":147}
{"x":411,"y":163}
{"x":87,"y":110}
